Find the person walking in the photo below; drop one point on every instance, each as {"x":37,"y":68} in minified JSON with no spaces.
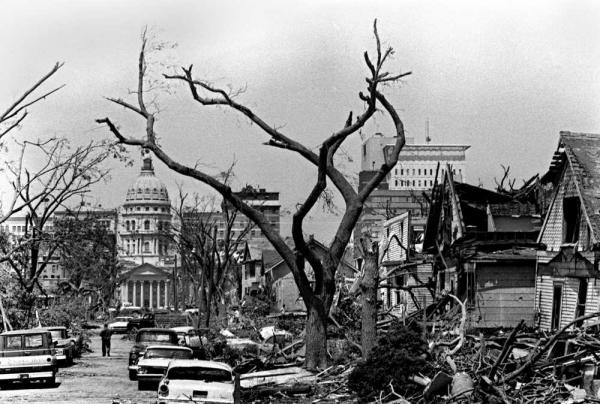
{"x":105,"y":335}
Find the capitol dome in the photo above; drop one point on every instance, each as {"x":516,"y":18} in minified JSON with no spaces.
{"x":147,"y":188}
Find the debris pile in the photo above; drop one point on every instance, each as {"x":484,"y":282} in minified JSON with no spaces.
{"x":518,"y":366}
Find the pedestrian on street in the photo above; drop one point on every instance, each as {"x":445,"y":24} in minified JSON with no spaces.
{"x":105,"y":335}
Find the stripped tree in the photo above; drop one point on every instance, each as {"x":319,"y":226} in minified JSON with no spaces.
{"x":210,"y":243}
{"x":11,"y":119}
{"x":317,"y":293}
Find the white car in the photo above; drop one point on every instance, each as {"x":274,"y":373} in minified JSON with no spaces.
{"x":153,"y":365}
{"x":196,"y":381}
{"x":119,"y":324}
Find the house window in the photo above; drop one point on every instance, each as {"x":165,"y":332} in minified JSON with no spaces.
{"x":402,"y":171}
{"x":471,"y":288}
{"x":419,"y":171}
{"x":364,"y":150}
{"x":146,"y":224}
{"x":571,"y":219}
{"x":146,"y":246}
{"x":556,"y":305}
{"x":396,"y":182}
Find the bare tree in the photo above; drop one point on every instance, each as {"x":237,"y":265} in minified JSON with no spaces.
{"x":317,"y":295}
{"x":210,"y":243}
{"x":63,"y":174}
{"x":12,"y":119}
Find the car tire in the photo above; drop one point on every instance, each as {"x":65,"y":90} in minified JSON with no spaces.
{"x":132,"y":375}
{"x":51,"y":381}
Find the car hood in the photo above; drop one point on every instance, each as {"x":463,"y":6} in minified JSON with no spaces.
{"x":118,"y":324}
{"x":216,"y":392}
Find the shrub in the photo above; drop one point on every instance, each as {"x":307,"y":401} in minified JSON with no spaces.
{"x":399,"y":354}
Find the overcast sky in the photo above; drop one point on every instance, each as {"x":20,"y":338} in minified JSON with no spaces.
{"x":504,"y":77}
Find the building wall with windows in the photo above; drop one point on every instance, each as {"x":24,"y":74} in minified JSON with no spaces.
{"x":402,"y":191}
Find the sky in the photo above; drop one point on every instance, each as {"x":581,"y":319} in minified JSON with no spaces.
{"x":502,"y":76}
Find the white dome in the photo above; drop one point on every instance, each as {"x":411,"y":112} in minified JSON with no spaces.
{"x":147,"y":188}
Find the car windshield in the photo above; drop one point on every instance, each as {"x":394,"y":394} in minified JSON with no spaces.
{"x":154,"y":337}
{"x":168,"y":353}
{"x":56,"y":334}
{"x":199,"y":373}
{"x":119,"y":319}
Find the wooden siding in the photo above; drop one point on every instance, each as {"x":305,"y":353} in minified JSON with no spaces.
{"x":545,"y":294}
{"x":398,"y":227}
{"x":552,"y":233}
{"x":505,"y":294}
{"x":402,"y":298}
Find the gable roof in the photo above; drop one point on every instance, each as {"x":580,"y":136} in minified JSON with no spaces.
{"x":581,"y":153}
{"x":146,"y":269}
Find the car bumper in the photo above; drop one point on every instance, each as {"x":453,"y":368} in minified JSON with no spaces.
{"x":27,"y":375}
{"x":144,"y":377}
{"x":133,"y":367}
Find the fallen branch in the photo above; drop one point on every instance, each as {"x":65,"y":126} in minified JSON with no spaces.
{"x":505,"y":349}
{"x":547,"y":346}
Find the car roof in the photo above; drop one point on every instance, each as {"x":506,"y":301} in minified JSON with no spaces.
{"x":58,"y":327}
{"x":172,"y":347}
{"x":156,"y":329}
{"x":27,"y":332}
{"x":189,"y":363}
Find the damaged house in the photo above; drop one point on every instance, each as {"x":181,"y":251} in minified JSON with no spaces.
{"x":567,"y":282}
{"x":483,"y":245}
{"x":407,"y":276}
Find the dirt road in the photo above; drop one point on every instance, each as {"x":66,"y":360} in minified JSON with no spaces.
{"x":92,"y":379}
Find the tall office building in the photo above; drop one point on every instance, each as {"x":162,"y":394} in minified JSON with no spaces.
{"x":403,"y":189}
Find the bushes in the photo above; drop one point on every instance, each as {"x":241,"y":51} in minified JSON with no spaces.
{"x":398,"y":355}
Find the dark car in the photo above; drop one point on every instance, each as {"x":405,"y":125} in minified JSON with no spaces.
{"x":145,"y":321}
{"x":144,"y":338}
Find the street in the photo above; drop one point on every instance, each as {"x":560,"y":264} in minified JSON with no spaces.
{"x":92,"y":379}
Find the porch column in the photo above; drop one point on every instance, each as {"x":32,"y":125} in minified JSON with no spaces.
{"x":142,"y":294}
{"x":124,"y":292}
{"x":166,"y":293}
{"x":134,"y":293}
{"x":158,"y":295}
{"x":151,"y":290}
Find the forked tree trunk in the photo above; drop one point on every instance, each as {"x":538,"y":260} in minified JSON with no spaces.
{"x":368,"y":286}
{"x":316,"y":338}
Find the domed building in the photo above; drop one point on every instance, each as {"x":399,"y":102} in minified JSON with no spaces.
{"x":145,"y":247}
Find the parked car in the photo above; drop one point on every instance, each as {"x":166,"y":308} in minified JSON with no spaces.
{"x":67,"y":347}
{"x":27,"y":355}
{"x":144,"y":338}
{"x":197,"y":381}
{"x":119,"y":324}
{"x":145,"y":321}
{"x":153,"y":365}
{"x":194,"y":338}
